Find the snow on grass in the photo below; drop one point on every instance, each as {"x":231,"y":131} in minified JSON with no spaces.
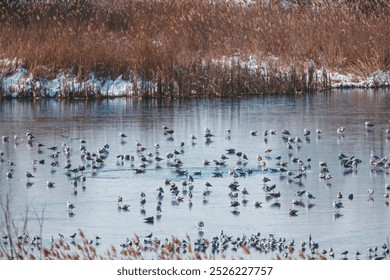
{"x":18,"y":81}
{"x":379,"y":78}
{"x":22,"y":83}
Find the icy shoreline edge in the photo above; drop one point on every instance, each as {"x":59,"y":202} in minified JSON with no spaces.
{"x":21,"y":83}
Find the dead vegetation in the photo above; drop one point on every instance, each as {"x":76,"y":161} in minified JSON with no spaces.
{"x":176,"y":43}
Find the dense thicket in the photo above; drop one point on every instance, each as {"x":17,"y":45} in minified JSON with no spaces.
{"x":175,"y":43}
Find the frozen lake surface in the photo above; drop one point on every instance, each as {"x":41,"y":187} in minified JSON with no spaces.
{"x":363,"y":222}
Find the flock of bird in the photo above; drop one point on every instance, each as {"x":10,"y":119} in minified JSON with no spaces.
{"x":181,"y":187}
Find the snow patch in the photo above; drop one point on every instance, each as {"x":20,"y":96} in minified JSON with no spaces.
{"x":17,"y":81}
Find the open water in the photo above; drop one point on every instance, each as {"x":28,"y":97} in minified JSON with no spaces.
{"x":363,"y":221}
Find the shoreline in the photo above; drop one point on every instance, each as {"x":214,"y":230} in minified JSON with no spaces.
{"x":105,"y":48}
{"x":21,"y":83}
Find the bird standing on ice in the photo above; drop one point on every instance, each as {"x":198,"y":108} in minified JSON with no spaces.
{"x":368,"y":124}
{"x":200,"y":225}
{"x":70,"y":206}
{"x":340,"y":130}
{"x":29,"y":175}
{"x":337,"y":205}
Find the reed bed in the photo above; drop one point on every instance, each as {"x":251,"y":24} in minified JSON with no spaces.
{"x":175,"y":43}
{"x":23,"y":248}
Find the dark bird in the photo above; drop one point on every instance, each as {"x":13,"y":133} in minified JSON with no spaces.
{"x":292,"y":212}
{"x":29,"y":175}
{"x":149,"y":220}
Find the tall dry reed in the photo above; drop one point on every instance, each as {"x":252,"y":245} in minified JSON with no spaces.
{"x":174,"y":42}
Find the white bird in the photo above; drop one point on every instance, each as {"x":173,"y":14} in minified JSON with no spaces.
{"x":340,"y":130}
{"x":297,"y":201}
{"x":328,"y":176}
{"x":368,"y":124}
{"x":322,"y":163}
{"x":123,"y":206}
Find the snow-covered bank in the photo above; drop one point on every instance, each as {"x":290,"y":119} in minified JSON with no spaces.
{"x":17,"y":81}
{"x":374,"y":80}
{"x":22,"y":83}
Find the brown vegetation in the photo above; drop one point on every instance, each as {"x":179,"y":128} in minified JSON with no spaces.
{"x":84,"y":249}
{"x":175,"y":43}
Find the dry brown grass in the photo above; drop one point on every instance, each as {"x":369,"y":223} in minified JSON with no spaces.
{"x":168,"y":250}
{"x":173,"y":42}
